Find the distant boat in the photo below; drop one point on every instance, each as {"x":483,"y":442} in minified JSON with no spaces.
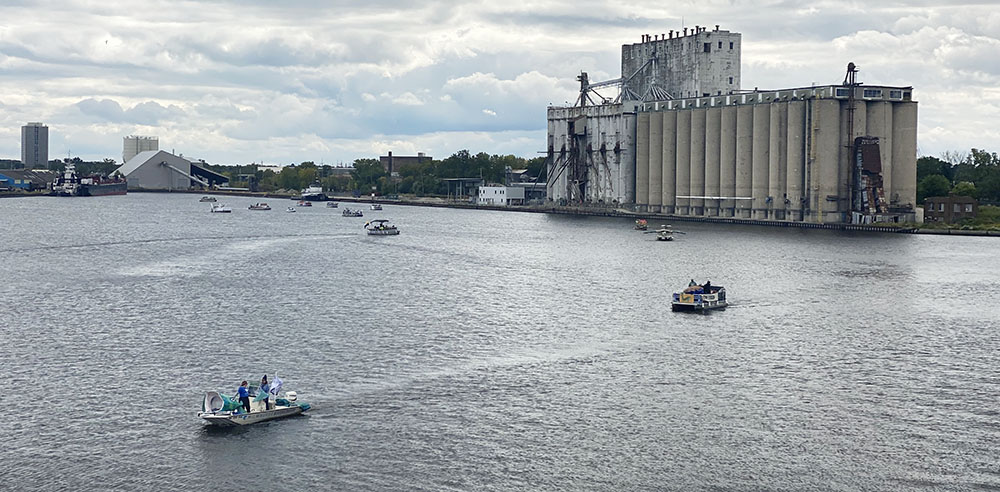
{"x":207,"y":199}
{"x":226,"y":411}
{"x":331,"y":204}
{"x":641,"y":225}
{"x":314,"y":193}
{"x":376,"y":206}
{"x":352,"y":213}
{"x":259,"y":206}
{"x":303,"y":203}
{"x":381,"y":227}
{"x":290,"y":209}
{"x":220,"y":208}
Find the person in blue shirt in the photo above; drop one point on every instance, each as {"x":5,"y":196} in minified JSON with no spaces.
{"x":266,"y":388}
{"x":244,"y":395}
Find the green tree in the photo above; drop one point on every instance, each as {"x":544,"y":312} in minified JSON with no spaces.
{"x":927,"y":166}
{"x":931,"y":186}
{"x":964,"y":188}
{"x":366,"y":174}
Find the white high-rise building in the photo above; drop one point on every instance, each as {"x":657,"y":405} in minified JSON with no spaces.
{"x":135,"y":144}
{"x":35,"y":146}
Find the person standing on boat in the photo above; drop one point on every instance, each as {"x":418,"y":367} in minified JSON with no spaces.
{"x":265,"y":388}
{"x":244,"y":395}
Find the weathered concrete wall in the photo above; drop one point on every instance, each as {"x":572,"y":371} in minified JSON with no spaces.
{"x":706,"y":62}
{"x":605,"y":144}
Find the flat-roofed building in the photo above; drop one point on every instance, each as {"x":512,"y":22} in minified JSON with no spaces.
{"x":35,"y":146}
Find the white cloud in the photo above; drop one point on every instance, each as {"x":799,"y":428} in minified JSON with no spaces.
{"x":325,"y":81}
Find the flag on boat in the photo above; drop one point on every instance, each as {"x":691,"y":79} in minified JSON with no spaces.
{"x":276,"y":386}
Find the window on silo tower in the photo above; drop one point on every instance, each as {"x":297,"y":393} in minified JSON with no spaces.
{"x":708,"y":47}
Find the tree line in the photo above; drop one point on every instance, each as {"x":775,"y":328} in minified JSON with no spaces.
{"x":975,"y":174}
{"x":425,"y":178}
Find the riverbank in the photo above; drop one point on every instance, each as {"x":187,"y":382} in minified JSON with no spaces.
{"x":589,"y":211}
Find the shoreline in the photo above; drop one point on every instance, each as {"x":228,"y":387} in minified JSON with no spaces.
{"x":580,"y":211}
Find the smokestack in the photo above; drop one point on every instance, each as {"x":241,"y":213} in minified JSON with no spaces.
{"x":716,"y":28}
{"x":685,"y":31}
{"x":671,"y":34}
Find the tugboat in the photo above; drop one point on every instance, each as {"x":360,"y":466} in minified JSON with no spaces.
{"x":699,"y":298}
{"x":259,"y":206}
{"x":70,"y":184}
{"x":381,"y":227}
{"x":314,"y":193}
{"x":221,"y":410}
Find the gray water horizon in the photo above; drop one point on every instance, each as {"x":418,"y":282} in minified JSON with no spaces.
{"x":486,"y":350}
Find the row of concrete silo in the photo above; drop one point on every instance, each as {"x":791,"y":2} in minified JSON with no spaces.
{"x":779,"y":156}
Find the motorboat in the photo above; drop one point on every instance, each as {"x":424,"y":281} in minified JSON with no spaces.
{"x":352,"y":213}
{"x":221,"y":208}
{"x":259,"y":206}
{"x":376,"y":206}
{"x":641,"y":225}
{"x":381,"y":227}
{"x":665,"y":233}
{"x":303,"y":203}
{"x":290,"y":209}
{"x":699,"y":298}
{"x":225,"y":411}
{"x":207,"y":199}
{"x":331,"y":204}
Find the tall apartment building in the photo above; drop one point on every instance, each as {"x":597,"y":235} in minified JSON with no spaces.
{"x":133,"y":144}
{"x":35,"y":146}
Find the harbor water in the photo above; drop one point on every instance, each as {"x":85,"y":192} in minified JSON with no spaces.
{"x":484,"y":350}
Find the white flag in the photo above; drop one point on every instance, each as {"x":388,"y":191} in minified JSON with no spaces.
{"x":276,"y":386}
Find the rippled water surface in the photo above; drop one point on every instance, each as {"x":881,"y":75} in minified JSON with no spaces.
{"x":489,"y":351}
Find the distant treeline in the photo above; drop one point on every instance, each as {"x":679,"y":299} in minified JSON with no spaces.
{"x":975,"y":174}
{"x":420,"y":179}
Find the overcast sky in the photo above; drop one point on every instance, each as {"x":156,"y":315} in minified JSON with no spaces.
{"x":330,"y":81}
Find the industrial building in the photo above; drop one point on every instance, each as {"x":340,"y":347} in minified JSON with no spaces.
{"x":133,"y":144}
{"x":393,"y":164}
{"x":161,"y":170}
{"x":35,"y":146}
{"x":681,"y":138}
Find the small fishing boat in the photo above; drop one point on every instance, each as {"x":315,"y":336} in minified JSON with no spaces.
{"x":352,"y":213}
{"x":259,"y":206}
{"x":381,"y":227}
{"x":290,"y":209}
{"x":376,"y":206}
{"x":641,"y":225}
{"x":303,"y":203}
{"x":221,"y":410}
{"x":331,"y":204}
{"x":699,"y":298}
{"x":220,"y":208}
{"x":207,"y":199}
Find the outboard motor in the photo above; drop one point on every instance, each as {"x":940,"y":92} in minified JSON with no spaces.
{"x":290,"y":395}
{"x":214,"y":402}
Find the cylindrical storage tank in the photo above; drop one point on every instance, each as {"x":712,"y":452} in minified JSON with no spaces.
{"x":642,"y":161}
{"x":777,"y":170}
{"x":713,"y":123}
{"x":744,"y":159}
{"x":683,"y":162}
{"x":655,"y":161}
{"x":669,"y":160}
{"x":795,"y":158}
{"x":727,"y":161}
{"x":879,"y":125}
{"x":826,"y":167}
{"x":626,"y":155}
{"x":761,"y":159}
{"x":698,"y":117}
{"x":904,"y":154}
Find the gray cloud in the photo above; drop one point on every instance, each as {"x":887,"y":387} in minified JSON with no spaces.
{"x":234,"y":81}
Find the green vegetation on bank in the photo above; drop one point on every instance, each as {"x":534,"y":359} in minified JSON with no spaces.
{"x":976,"y":174}
{"x":419,"y":179}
